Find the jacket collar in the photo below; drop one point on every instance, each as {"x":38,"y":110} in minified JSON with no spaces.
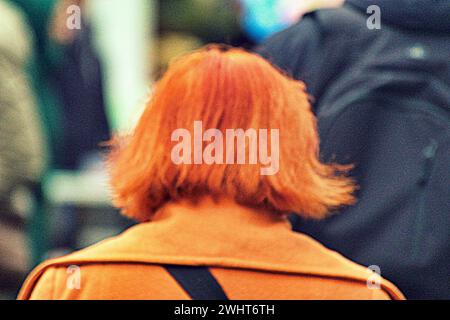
{"x":220,"y":234}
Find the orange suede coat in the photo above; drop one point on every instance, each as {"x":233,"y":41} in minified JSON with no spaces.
{"x":252,"y":254}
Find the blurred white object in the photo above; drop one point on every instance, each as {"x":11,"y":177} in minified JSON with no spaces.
{"x":123,"y":34}
{"x":81,"y":188}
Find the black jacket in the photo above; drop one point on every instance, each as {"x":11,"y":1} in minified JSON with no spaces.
{"x":401,"y":222}
{"x":327,"y":42}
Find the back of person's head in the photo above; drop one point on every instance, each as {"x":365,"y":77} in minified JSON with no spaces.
{"x":225,"y":88}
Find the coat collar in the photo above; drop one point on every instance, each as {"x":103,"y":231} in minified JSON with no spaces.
{"x":221,"y":234}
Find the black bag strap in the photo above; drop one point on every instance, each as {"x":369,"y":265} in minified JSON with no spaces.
{"x":198,"y":282}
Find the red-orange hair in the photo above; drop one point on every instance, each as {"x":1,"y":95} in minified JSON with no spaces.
{"x":226,"y":89}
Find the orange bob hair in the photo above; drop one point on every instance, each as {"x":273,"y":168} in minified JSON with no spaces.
{"x":226,"y":88}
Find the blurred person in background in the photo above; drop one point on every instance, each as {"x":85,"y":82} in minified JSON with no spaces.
{"x":216,"y":230}
{"x":68,"y":84}
{"x":79,"y":83}
{"x":22,"y":147}
{"x":379,"y":75}
{"x":44,"y":59}
{"x":67,"y":81}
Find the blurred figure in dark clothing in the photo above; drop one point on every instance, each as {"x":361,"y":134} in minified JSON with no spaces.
{"x":379,"y":74}
{"x":67,"y":81}
{"x":43,"y":60}
{"x":81,"y":89}
{"x":79,"y":83}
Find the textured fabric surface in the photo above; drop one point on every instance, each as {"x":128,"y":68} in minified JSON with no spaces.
{"x":252,"y":254}
{"x":22,"y":147}
{"x":21,"y":142}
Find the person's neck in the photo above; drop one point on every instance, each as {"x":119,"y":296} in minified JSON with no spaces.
{"x":206,"y":208}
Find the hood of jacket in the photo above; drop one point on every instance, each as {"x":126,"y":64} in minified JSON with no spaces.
{"x":421,"y":15}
